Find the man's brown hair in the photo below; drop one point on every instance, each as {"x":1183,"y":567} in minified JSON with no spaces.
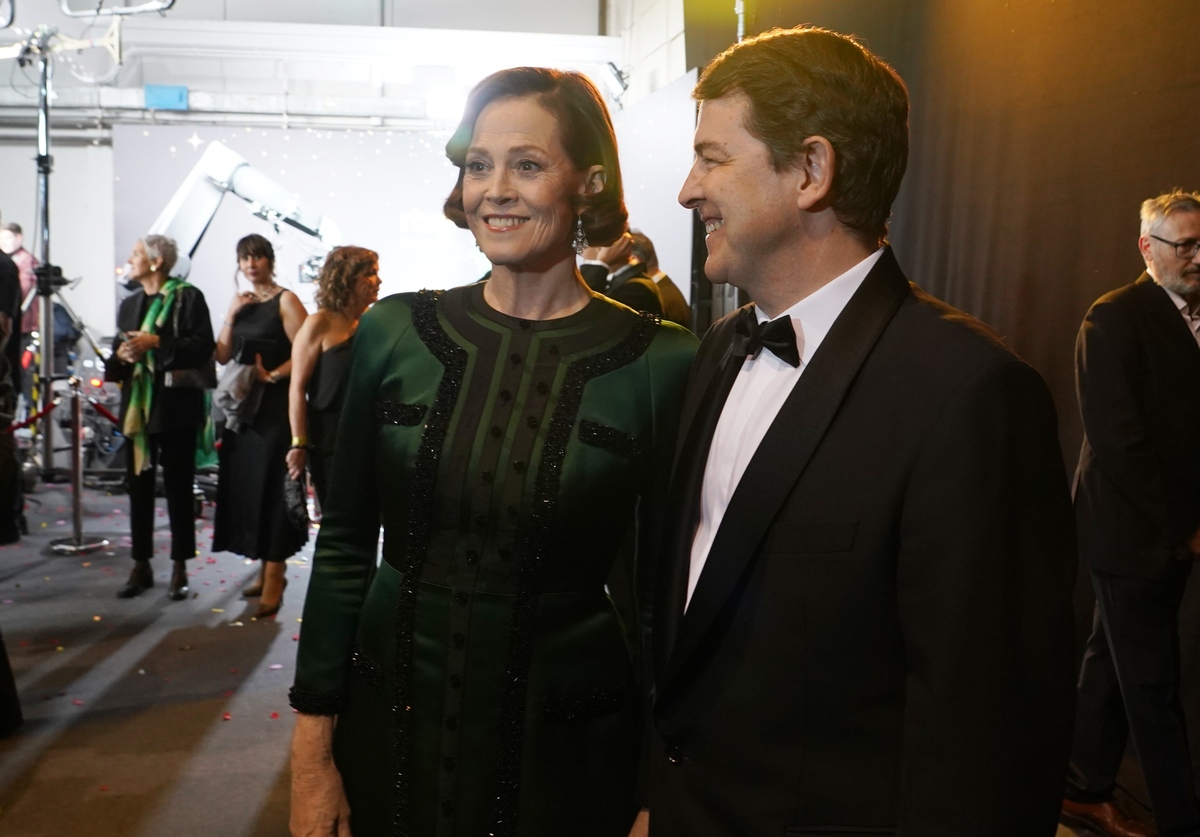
{"x":808,"y":81}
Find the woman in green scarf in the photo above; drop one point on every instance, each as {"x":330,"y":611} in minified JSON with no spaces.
{"x":163,"y":330}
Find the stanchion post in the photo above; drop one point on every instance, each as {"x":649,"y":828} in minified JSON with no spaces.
{"x":77,"y":544}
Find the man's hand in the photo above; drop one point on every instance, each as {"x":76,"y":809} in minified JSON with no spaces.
{"x":616,"y":255}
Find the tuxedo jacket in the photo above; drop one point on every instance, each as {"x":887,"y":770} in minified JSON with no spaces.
{"x":628,"y":286}
{"x":675,"y":307}
{"x":881,"y":640}
{"x":1137,"y":488}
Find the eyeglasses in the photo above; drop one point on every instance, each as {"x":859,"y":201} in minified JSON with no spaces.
{"x":1185,"y":249}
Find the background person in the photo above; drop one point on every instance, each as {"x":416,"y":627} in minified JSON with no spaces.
{"x":12,"y":242}
{"x":163,"y":327}
{"x":251,"y":518}
{"x":347,"y":286}
{"x":1137,"y":504}
{"x":483,"y":683}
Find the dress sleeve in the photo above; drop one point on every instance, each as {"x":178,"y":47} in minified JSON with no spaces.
{"x":670,"y":358}
{"x":346,"y":547}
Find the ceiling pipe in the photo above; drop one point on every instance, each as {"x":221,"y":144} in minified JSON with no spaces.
{"x":116,"y":11}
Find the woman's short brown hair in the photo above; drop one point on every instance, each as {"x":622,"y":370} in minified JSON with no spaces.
{"x":343,"y":269}
{"x":584,"y":127}
{"x":255,"y":246}
{"x":808,"y":81}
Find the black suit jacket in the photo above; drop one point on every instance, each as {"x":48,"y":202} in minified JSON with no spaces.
{"x":1137,"y":488}
{"x":188,"y":348}
{"x":629,"y":286}
{"x":675,"y":307}
{"x":881,"y":640}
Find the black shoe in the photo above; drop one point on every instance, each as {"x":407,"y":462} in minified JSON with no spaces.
{"x":178,"y":591}
{"x":140,"y":580}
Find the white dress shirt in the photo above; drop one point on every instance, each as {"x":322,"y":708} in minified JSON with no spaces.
{"x":1192,"y":320}
{"x":758,"y":392}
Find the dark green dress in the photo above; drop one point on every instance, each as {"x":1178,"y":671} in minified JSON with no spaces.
{"x":482,"y":679}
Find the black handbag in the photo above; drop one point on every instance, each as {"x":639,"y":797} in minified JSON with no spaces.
{"x":295,"y":500}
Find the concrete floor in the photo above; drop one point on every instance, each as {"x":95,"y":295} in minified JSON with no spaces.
{"x":144,"y":717}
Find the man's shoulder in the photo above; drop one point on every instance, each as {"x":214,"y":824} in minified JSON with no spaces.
{"x":8,"y":267}
{"x":939,"y":328}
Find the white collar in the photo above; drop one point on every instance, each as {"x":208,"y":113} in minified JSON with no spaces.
{"x":813,"y":316}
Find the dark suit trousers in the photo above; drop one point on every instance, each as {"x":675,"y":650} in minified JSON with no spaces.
{"x":1129,"y":684}
{"x":175,"y":451}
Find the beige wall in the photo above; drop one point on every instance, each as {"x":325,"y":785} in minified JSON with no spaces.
{"x":651,"y":32}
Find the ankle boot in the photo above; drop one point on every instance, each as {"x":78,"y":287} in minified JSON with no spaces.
{"x":141,"y":579}
{"x":178,"y":591}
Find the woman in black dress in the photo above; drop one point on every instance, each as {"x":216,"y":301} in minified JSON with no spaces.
{"x":251,"y":517}
{"x":348,"y":284}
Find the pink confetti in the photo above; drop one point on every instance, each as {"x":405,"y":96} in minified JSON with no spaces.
{"x":275,"y":667}
{"x":227,"y":717}
{"x":77,"y":702}
{"x":274,"y":716}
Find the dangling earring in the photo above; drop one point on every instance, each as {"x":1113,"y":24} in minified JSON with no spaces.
{"x":579,"y":240}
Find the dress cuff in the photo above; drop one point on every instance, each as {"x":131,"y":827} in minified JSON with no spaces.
{"x":316,"y":703}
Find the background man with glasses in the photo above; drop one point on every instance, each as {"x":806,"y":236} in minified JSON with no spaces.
{"x":1137,"y":503}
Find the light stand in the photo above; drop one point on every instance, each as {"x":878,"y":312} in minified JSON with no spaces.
{"x":49,"y":276}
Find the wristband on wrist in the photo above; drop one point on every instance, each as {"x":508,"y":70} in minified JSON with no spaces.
{"x":273,"y":376}
{"x":299,"y":441}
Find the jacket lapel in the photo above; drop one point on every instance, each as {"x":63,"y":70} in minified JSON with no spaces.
{"x":706,"y":397}
{"x":1163,"y":308}
{"x":785,"y":451}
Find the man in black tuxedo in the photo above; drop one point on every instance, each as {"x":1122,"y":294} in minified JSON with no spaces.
{"x":1137,"y":503}
{"x":675,"y":307}
{"x":863,"y":619}
{"x":611,"y":271}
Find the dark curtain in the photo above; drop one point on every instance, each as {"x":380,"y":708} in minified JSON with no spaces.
{"x":1038,"y":127}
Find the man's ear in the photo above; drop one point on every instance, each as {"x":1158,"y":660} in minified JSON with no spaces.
{"x":594,"y":180}
{"x":816,"y":166}
{"x":1144,"y":248}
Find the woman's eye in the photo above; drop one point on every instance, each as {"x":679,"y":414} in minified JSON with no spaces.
{"x":527,"y":166}
{"x":475,"y":167}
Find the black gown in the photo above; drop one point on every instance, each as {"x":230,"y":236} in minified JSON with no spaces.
{"x":251,"y":518}
{"x":326,"y":391}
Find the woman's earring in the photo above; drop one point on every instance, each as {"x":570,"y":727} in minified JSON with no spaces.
{"x":579,"y":240}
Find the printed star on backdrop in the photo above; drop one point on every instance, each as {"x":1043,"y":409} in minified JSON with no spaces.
{"x":194,"y":141}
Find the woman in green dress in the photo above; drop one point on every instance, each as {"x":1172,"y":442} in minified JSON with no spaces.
{"x":507,"y":435}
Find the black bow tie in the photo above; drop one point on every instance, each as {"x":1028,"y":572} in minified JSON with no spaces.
{"x":751,"y":337}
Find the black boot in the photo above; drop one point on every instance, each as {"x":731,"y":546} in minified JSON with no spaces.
{"x":178,"y":591}
{"x":140,"y":580}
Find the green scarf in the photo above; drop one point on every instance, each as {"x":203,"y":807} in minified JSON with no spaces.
{"x":141,"y":390}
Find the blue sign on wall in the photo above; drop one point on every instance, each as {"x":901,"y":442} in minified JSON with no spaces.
{"x":166,"y":97}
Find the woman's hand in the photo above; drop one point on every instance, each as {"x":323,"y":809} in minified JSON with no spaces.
{"x":641,"y":826}
{"x":137,"y":343}
{"x":297,"y":458}
{"x":261,"y":371}
{"x":319,"y":806}
{"x":125,"y":353}
{"x":239,"y":301}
